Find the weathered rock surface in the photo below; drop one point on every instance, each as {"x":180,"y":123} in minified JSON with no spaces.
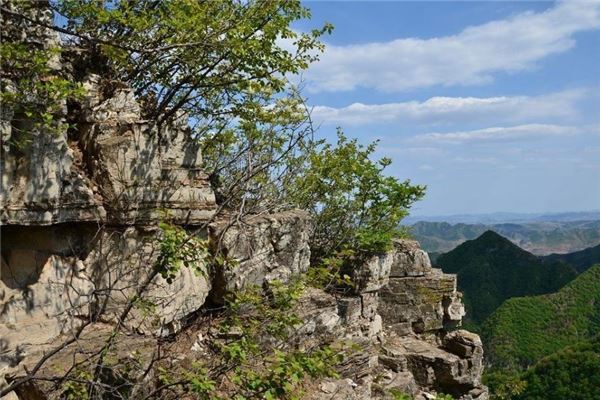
{"x":42,"y":184}
{"x":54,"y":278}
{"x":262,"y":248}
{"x":143,"y":174}
{"x":419,"y":299}
{"x":396,"y":318}
{"x":417,"y":306}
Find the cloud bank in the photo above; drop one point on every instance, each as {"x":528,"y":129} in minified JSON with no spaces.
{"x":455,"y":109}
{"x":470,"y":57}
{"x":510,"y":133}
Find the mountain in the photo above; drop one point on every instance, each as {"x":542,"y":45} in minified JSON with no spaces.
{"x":540,"y":238}
{"x":492,"y":269}
{"x":581,"y":260}
{"x":523,"y":330}
{"x":507,"y":217}
{"x":572,"y":373}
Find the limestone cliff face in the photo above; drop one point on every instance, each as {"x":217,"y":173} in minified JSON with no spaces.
{"x":80,"y":211}
{"x":404,"y":309}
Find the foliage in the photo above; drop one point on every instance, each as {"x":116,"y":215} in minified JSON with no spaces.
{"x":33,"y":94}
{"x":504,"y":384}
{"x":572,"y":373}
{"x":523,"y":330}
{"x":397,"y":394}
{"x":76,"y":388}
{"x":492,"y":269}
{"x":254,"y":350}
{"x":353,"y":203}
{"x":214,"y":60}
{"x":257,"y":318}
{"x":179,"y":248}
{"x":251,"y":165}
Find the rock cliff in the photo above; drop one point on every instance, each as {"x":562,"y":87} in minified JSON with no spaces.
{"x":80,"y":212}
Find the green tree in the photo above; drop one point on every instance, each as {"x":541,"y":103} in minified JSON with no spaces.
{"x":572,"y":373}
{"x":354,"y":204}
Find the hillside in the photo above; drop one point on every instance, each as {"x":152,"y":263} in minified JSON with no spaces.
{"x":492,"y":269}
{"x":572,"y":373}
{"x":523,"y":330}
{"x":581,"y":260}
{"x":537,"y":237}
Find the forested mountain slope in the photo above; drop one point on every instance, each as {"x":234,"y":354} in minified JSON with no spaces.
{"x":572,"y":373}
{"x":581,"y":260}
{"x":523,"y":330}
{"x":492,"y":269}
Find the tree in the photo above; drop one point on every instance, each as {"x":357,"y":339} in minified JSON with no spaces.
{"x":354,"y":204}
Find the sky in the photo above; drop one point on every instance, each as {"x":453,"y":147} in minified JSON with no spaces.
{"x":495,"y":106}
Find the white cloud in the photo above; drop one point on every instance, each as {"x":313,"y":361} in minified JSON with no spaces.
{"x":476,"y":160}
{"x":500,"y":133}
{"x":455,"y":109}
{"x":469,"y":57}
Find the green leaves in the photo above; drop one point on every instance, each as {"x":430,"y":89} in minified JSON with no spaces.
{"x":33,"y":93}
{"x":354,"y":205}
{"x":180,"y":249}
{"x":211,"y":59}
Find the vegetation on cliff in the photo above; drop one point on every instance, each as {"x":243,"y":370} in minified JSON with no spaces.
{"x":221,"y":67}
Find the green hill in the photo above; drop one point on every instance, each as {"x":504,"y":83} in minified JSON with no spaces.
{"x":572,"y":373}
{"x":523,"y":330}
{"x":581,"y":260}
{"x":492,"y":269}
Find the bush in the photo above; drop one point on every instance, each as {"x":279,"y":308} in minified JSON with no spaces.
{"x":354,"y":204}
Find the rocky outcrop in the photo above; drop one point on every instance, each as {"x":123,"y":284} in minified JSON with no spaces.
{"x":399,"y":316}
{"x":419,"y":305}
{"x":419,"y":298}
{"x":80,"y":213}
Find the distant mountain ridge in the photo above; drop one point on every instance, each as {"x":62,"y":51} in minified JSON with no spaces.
{"x":540,"y":238}
{"x":581,"y":260}
{"x":507,"y":217}
{"x":492,"y":269}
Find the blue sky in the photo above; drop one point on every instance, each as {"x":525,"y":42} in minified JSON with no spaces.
{"x":495,"y":106}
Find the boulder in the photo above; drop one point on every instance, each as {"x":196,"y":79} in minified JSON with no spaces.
{"x":409,"y":259}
